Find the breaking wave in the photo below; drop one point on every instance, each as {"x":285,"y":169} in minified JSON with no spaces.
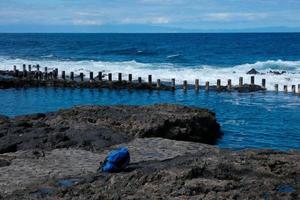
{"x":166,"y":71}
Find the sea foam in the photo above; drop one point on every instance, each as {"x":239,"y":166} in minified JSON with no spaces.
{"x":167,"y":71}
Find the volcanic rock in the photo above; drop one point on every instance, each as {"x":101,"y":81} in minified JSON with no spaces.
{"x":160,"y":169}
{"x":97,"y":127}
{"x":253,"y":71}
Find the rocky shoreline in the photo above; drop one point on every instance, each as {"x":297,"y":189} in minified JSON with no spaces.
{"x":56,"y":156}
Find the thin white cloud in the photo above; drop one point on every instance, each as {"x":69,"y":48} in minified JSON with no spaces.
{"x":147,"y":20}
{"x":227,"y":16}
{"x":85,"y":22}
{"x":160,"y":20}
{"x":188,"y":14}
{"x":162,"y":2}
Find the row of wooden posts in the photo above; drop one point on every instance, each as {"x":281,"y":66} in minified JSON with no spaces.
{"x":54,"y":75}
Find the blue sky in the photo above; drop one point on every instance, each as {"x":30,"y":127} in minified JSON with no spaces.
{"x":147,"y":15}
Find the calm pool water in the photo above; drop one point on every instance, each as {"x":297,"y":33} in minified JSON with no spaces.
{"x":256,"y":120}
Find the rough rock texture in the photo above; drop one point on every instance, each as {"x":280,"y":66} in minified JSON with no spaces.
{"x":57,"y":155}
{"x":160,"y":169}
{"x":96,"y":127}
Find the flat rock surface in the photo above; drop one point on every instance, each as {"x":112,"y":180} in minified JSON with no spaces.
{"x":35,"y":167}
{"x":159,"y":169}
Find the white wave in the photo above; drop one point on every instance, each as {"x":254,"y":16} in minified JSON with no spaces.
{"x":273,"y":65}
{"x":173,"y":56}
{"x":167,"y":71}
{"x":47,"y":56}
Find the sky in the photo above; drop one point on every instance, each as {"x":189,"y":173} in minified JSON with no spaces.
{"x":149,"y":15}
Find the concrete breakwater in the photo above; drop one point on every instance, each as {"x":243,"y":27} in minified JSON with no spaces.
{"x":32,"y":76}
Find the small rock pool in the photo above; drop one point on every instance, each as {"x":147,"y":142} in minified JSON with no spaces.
{"x":248,"y":120}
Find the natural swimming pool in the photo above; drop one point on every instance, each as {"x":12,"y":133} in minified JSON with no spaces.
{"x":248,"y":120}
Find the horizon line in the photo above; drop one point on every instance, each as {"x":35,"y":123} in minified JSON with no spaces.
{"x":233,"y":32}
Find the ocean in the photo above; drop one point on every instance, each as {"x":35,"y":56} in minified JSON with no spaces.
{"x":256,"y":120}
{"x":165,"y":56}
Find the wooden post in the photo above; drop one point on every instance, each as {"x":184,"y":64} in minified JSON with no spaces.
{"x":130,"y":78}
{"x":184,"y":85}
{"x":29,"y":71}
{"x":63,"y":75}
{"x":229,"y":86}
{"x":40,"y":75}
{"x":158,"y":83}
{"x":46,"y":73}
{"x":294,"y":89}
{"x":120,"y":77}
{"x":263,"y":83}
{"x":241,"y":82}
{"x":24,"y":68}
{"x":24,"y":71}
{"x":56,"y":73}
{"x":285,"y":88}
{"x":252,"y":80}
{"x":150,"y":80}
{"x":81,"y":76}
{"x":197,"y":84}
{"x":139,"y":80}
{"x":173,"y":83}
{"x":276,"y":87}
{"x":72,"y":76}
{"x":207,"y":85}
{"x":91,"y":76}
{"x":25,"y":74}
{"x":53,"y":74}
{"x":110,"y":77}
{"x":50,"y":75}
{"x":17,"y":73}
{"x":36,"y":75}
{"x":100,"y":76}
{"x":218,"y":84}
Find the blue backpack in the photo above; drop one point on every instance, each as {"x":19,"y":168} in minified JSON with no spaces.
{"x":116,"y":160}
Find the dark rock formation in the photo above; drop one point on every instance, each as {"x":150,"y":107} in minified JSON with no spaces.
{"x":277,"y":72}
{"x":249,"y":88}
{"x":96,"y":127}
{"x":253,"y":71}
{"x":4,"y":163}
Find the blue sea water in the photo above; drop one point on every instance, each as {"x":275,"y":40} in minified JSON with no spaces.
{"x":256,"y":120}
{"x":222,"y":50}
